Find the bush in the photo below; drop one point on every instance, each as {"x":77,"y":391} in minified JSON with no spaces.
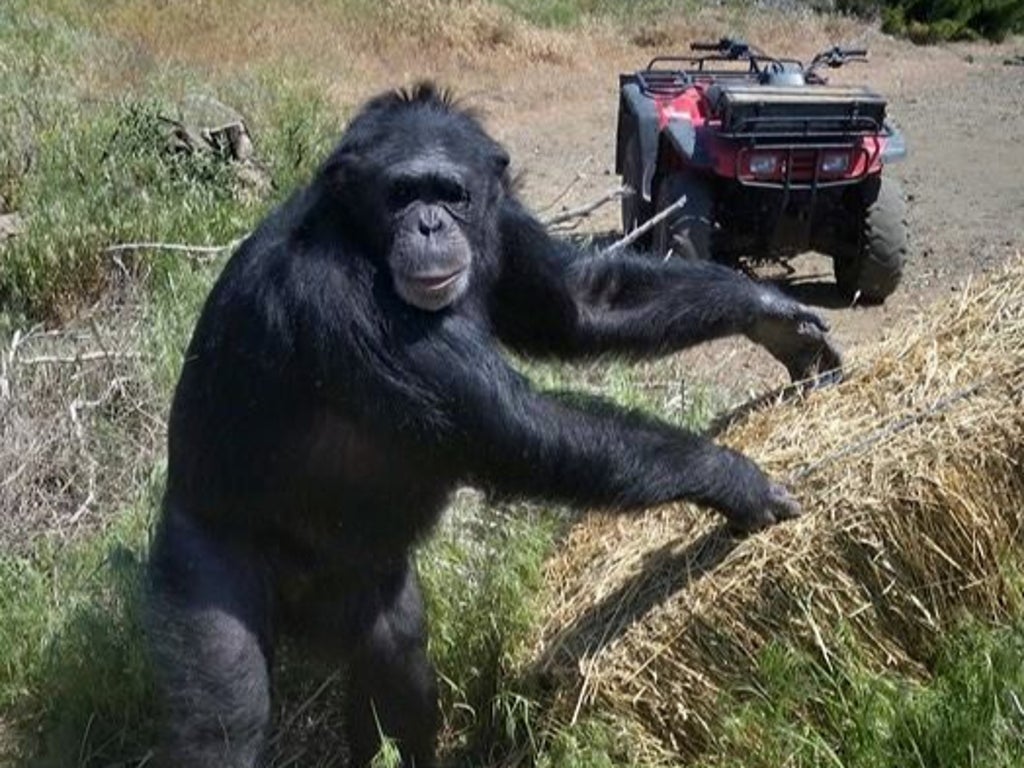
{"x":932,"y":21}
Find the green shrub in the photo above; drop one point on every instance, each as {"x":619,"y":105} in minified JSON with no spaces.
{"x":932,"y":21}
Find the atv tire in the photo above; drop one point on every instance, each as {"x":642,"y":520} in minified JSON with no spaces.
{"x":872,"y":266}
{"x":687,"y":232}
{"x":635,"y":210}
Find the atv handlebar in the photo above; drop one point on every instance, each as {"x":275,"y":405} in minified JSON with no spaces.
{"x":836,"y":57}
{"x":729,"y":48}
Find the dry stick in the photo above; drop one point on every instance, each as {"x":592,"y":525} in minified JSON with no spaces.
{"x":200,"y":250}
{"x":6,"y":361}
{"x":80,"y":357}
{"x":568,"y":187}
{"x":644,"y":228}
{"x":77,"y":406}
{"x":585,"y":210}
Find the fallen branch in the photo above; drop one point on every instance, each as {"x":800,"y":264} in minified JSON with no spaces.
{"x":80,"y":357}
{"x":199,"y":250}
{"x":74,"y":411}
{"x":644,"y":228}
{"x":586,"y":210}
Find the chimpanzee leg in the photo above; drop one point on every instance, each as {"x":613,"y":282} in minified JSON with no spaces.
{"x":392,"y":685}
{"x":208,"y":629}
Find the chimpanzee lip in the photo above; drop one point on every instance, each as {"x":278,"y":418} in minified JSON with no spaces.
{"x":436,"y":281}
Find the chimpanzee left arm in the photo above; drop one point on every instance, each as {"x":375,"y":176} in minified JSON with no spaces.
{"x":555,"y":299}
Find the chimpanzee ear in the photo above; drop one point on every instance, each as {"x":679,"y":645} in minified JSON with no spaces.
{"x":341,"y":167}
{"x":500,"y":161}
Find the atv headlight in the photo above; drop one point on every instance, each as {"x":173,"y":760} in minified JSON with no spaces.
{"x":835,"y":162}
{"x":763,"y":164}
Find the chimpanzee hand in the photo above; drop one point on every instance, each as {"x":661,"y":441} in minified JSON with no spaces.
{"x":796,"y":337}
{"x":748,"y":498}
{"x":772,"y":505}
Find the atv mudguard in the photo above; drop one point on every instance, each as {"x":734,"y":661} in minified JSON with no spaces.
{"x":638,"y":113}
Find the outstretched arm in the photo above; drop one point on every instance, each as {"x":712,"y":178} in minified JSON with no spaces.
{"x":515,"y":441}
{"x":555,"y":299}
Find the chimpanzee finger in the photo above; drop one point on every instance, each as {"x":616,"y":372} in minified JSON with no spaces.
{"x":811,"y":321}
{"x":783,"y":505}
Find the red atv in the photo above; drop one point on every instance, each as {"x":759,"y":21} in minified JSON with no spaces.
{"x":760,"y":157}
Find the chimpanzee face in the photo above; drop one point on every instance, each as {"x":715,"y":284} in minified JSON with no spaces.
{"x":432,"y":203}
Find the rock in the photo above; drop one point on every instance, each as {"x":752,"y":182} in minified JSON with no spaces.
{"x":11,"y":224}
{"x":208,"y":125}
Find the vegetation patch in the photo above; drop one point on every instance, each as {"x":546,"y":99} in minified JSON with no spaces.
{"x":910,"y":473}
{"x":928,"y":21}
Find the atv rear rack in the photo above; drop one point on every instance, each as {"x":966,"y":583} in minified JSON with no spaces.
{"x":759,"y":112}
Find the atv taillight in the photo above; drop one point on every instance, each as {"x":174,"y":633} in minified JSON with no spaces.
{"x":762,"y":163}
{"x":834,"y":163}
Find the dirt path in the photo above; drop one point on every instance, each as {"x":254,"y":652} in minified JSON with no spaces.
{"x":961,"y":108}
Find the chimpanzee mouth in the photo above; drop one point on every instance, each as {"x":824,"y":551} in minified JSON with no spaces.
{"x":437,"y":282}
{"x":432,"y":290}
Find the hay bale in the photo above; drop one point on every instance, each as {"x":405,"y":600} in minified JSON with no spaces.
{"x":910,"y":474}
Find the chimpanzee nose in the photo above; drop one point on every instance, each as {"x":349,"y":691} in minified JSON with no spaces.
{"x":430,"y":221}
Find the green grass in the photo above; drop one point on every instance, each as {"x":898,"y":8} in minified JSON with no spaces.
{"x":569,"y":13}
{"x":87,"y":172}
{"x":75,"y":687}
{"x":806,"y":713}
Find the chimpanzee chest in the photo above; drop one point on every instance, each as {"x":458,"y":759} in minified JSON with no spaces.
{"x":352,"y":494}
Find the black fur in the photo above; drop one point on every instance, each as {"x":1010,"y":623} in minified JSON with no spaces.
{"x":321,"y":422}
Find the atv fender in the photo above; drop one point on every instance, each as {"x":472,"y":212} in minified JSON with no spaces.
{"x":638,"y":113}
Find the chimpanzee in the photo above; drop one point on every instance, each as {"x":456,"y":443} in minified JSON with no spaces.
{"x":346,"y":375}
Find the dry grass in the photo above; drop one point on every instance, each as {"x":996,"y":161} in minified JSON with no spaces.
{"x":79,"y":430}
{"x":911,"y":477}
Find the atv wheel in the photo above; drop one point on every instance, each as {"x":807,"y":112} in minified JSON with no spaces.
{"x":687,"y":232}
{"x":873,"y":266}
{"x":635,"y":210}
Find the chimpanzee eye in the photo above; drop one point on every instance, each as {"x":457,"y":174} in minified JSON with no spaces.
{"x":403,"y":192}
{"x":453,"y":192}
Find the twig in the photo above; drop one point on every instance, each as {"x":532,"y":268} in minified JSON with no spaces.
{"x":80,"y":357}
{"x":199,"y":250}
{"x":5,"y":365}
{"x":78,"y":405}
{"x":568,"y":187}
{"x":644,"y":228}
{"x":586,"y":210}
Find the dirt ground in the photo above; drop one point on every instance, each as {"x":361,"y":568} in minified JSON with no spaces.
{"x":961,"y":108}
